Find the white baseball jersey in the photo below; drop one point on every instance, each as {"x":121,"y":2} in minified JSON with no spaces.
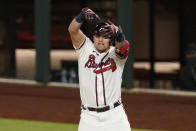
{"x":99,"y":75}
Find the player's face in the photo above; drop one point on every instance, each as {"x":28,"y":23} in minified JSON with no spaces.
{"x":101,"y":44}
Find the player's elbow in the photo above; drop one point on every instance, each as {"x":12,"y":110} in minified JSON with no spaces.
{"x":71,"y":29}
{"x":123,"y":51}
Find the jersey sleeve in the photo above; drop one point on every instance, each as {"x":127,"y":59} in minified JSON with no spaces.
{"x":117,"y":59}
{"x":85,"y":47}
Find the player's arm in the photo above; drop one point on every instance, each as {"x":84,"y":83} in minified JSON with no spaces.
{"x":121,"y":44}
{"x":76,"y":34}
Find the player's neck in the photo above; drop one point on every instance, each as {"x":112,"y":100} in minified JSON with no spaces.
{"x":103,"y":51}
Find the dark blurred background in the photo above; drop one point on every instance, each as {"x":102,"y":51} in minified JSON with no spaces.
{"x":162,"y":36}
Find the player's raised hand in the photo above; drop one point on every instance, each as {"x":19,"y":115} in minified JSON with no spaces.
{"x":90,"y":15}
{"x":109,"y":30}
{"x":120,"y":35}
{"x":87,"y":14}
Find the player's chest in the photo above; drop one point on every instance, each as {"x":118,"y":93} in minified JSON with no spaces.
{"x":100,"y":63}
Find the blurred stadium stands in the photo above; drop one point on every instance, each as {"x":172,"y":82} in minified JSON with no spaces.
{"x":174,"y":28}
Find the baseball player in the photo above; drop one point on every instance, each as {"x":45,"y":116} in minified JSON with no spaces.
{"x":100,"y":71}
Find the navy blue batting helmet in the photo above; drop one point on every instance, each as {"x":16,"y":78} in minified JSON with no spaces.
{"x":99,"y":31}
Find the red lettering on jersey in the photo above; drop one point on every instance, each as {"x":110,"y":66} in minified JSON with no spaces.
{"x":91,"y":62}
{"x":102,"y":66}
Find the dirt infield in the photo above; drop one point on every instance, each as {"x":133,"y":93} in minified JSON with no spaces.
{"x":147,"y":111}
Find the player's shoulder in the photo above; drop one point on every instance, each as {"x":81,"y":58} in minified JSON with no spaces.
{"x":112,"y":53}
{"x":85,"y":44}
{"x":115,"y":57}
{"x":112,"y":50}
{"x":88,"y":43}
{"x":88,"y":40}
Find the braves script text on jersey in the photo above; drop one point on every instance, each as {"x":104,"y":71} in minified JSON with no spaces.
{"x":100,"y":85}
{"x":99,"y":75}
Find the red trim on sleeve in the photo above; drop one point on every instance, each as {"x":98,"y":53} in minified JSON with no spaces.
{"x":125,"y":48}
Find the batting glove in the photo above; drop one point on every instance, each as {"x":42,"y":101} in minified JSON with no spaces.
{"x":120,"y":37}
{"x":109,"y":30}
{"x":86,"y":14}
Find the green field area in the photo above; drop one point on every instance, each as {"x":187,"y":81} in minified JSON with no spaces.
{"x":27,"y":125}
